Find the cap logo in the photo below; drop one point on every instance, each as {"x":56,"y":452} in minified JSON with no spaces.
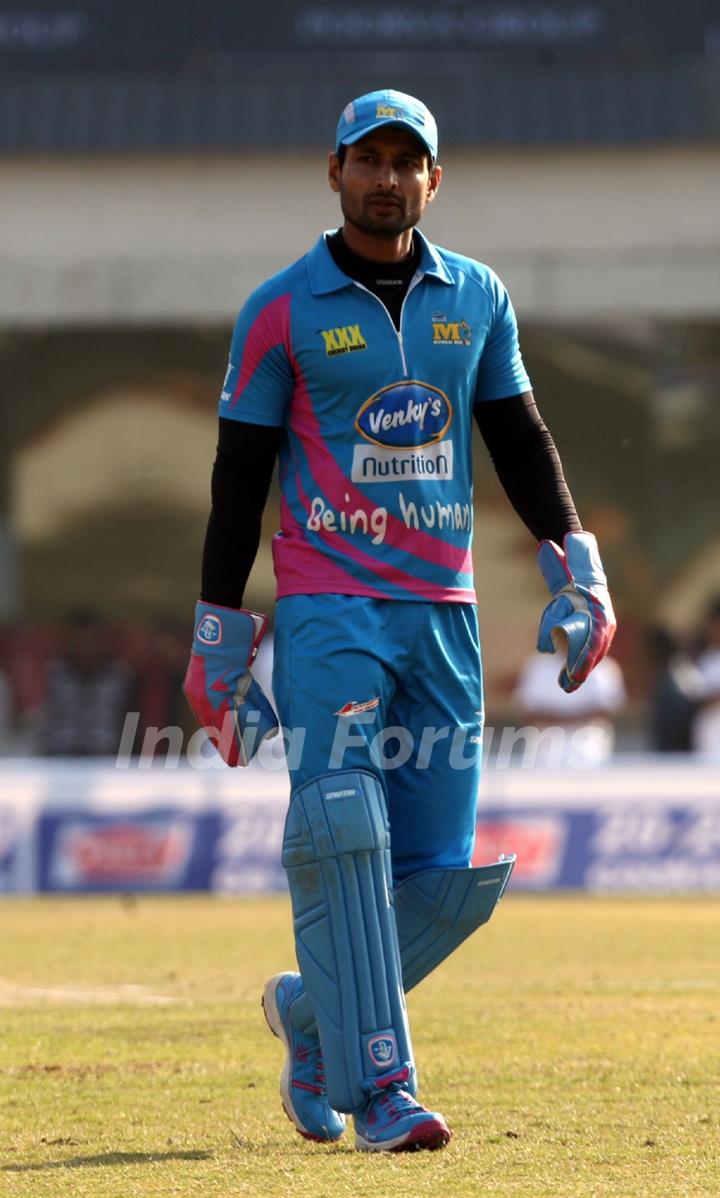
{"x":349,"y":113}
{"x":385,"y":110}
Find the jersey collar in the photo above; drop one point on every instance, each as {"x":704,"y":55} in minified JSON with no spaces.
{"x":326,"y":276}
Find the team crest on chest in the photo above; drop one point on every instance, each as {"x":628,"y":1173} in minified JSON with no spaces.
{"x":450,"y":332}
{"x":345,"y":339}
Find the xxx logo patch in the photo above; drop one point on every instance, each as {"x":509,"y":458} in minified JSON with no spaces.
{"x":346,"y":339}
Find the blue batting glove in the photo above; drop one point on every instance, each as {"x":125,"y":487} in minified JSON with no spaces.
{"x":580,"y":619}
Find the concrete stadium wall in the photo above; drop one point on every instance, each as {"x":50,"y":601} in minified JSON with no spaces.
{"x":575,"y":233}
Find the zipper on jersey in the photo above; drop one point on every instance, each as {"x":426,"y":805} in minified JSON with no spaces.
{"x":398,"y":332}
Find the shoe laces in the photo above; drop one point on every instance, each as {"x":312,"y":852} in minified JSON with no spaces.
{"x":319,"y":1069}
{"x":396,"y":1103}
{"x":311,"y":1058}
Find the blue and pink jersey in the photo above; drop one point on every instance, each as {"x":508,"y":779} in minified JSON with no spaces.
{"x":376,"y":457}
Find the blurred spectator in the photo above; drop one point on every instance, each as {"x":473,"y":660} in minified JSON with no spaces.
{"x":706,"y":726}
{"x":19,"y":700}
{"x":675,"y":695}
{"x":583,"y":717}
{"x":6,"y":715}
{"x":86,"y":694}
{"x":159,"y":697}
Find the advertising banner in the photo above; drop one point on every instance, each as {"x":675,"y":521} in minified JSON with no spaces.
{"x":150,"y":850}
{"x":639,"y":826}
{"x":646,"y":824}
{"x":247,"y":857}
{"x":648,"y":849}
{"x":9,"y":843}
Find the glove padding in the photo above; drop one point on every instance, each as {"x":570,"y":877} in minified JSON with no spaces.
{"x":218,"y":685}
{"x":579,"y":620}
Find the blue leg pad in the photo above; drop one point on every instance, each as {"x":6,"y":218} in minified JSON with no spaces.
{"x":336,"y":851}
{"x":439,"y":908}
{"x":436,"y":910}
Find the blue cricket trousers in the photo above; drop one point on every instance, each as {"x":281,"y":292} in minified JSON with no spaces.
{"x":395,"y":688}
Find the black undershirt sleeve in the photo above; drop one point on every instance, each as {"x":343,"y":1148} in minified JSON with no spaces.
{"x":240,"y":483}
{"x":528,"y":465}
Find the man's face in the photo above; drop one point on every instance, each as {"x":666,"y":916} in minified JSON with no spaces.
{"x":385,"y":182}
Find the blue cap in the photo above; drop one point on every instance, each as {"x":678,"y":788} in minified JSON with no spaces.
{"x":370,"y":112}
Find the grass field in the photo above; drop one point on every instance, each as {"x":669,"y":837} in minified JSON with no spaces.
{"x":573,"y":1046}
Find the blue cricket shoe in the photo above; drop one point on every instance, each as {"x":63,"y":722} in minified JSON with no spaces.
{"x":393,"y":1121}
{"x":302,"y":1081}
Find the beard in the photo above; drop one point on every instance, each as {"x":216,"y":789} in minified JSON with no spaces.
{"x":362,"y":214}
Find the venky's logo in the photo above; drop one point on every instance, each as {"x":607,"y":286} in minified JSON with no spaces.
{"x":344,"y":340}
{"x":405,"y":415}
{"x":451,"y":332}
{"x":385,"y":110}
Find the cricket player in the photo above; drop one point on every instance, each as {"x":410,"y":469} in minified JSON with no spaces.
{"x":362,"y":366}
